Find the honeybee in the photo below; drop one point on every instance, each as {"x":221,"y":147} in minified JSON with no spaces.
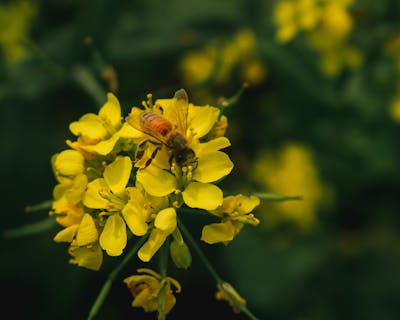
{"x":172,"y":135}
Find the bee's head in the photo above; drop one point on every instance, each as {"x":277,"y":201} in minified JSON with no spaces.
{"x":185,"y":156}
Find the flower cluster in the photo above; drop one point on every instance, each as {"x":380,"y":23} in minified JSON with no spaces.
{"x":328,"y":25}
{"x":16,"y":18}
{"x":125,"y":178}
{"x":218,"y":62}
{"x":392,"y":49}
{"x":288,"y":170}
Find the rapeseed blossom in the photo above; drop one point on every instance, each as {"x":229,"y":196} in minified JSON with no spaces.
{"x":328,"y":26}
{"x":16,"y":19}
{"x":129,"y":179}
{"x":218,"y":62}
{"x":290,"y":170}
{"x":147,"y":287}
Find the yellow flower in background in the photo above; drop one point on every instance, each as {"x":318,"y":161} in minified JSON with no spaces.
{"x":291,"y":171}
{"x":395,"y":109}
{"x":392,"y":49}
{"x":219,"y":61}
{"x":328,"y":26}
{"x":146,"y":288}
{"x":294,"y":16}
{"x":234,"y":212}
{"x":15,"y":19}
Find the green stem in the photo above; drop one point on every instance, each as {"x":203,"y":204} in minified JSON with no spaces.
{"x":210,"y":268}
{"x":88,"y":82}
{"x":276,"y":197}
{"x":163,"y":258}
{"x":107,"y":285}
{"x":45,"y":205}
{"x":200,"y":253}
{"x":29,"y":229}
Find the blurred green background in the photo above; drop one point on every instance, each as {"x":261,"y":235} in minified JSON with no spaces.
{"x":320,"y":118}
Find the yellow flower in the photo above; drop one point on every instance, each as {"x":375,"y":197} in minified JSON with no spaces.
{"x":291,"y":171}
{"x":98,"y":134}
{"x":228,"y":293}
{"x":67,"y":204}
{"x":90,"y":257}
{"x":218,"y":62}
{"x":395,"y":109}
{"x":328,"y":26}
{"x":197,"y":66}
{"x":110,"y":194}
{"x":337,"y":22}
{"x":234,"y":212}
{"x":144,"y":213}
{"x":15,"y":20}
{"x":83,"y":238}
{"x":67,"y":164}
{"x":147,"y":287}
{"x":294,"y":16}
{"x":193,"y":181}
{"x":284,"y":14}
{"x":164,"y":225}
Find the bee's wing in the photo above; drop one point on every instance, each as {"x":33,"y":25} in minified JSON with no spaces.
{"x":134,"y":120}
{"x":178,"y":112}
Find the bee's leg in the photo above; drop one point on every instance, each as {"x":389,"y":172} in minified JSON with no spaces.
{"x":140,"y":150}
{"x":152,"y":156}
{"x":171,"y":157}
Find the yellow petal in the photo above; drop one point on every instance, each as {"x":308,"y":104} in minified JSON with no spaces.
{"x":113,"y":238}
{"x":106,"y":146}
{"x":202,"y":195}
{"x":218,"y":232}
{"x":111,"y":110}
{"x":127,"y":131}
{"x":155,"y":241}
{"x":202,"y":119}
{"x":75,"y":193}
{"x":90,"y":127}
{"x":87,"y":257}
{"x":92,"y":198}
{"x":213,"y":145}
{"x":156,"y":181}
{"x":212,"y":167}
{"x":87,"y":232}
{"x":67,"y":234}
{"x":117,"y":174}
{"x":247,"y":204}
{"x":135,"y":217}
{"x":166,"y":220}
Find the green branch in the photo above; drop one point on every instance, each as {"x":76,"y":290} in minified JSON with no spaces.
{"x":220,"y":282}
{"x":29,"y":229}
{"x":111,"y":277}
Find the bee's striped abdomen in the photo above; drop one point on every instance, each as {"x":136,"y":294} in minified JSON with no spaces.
{"x":155,"y":122}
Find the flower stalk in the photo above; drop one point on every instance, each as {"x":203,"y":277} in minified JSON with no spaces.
{"x":111,"y":277}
